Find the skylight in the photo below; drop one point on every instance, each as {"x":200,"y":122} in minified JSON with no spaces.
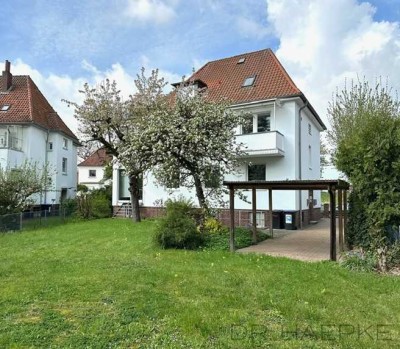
{"x":5,"y":107}
{"x":241,"y":60}
{"x":249,"y":81}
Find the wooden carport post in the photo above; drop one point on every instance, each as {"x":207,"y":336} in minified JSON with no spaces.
{"x":254,"y":213}
{"x":232,"y":218}
{"x":271,"y":215}
{"x":340,"y":204}
{"x":332,"y":196}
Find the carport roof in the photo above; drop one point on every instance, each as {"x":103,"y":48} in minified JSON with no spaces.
{"x":319,"y":184}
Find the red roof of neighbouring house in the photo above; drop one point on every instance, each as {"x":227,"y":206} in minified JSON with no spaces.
{"x":224,"y":79}
{"x":29,"y":106}
{"x":98,"y":158}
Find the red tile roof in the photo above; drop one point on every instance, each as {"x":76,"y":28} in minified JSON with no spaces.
{"x":224,"y":79}
{"x":98,"y":158}
{"x":29,"y":106}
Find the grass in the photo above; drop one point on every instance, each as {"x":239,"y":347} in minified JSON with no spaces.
{"x":102,"y":284}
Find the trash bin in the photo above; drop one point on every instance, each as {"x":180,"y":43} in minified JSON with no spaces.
{"x":278,"y":219}
{"x":290,"y":220}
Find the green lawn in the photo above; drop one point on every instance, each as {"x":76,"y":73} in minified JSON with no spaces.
{"x":102,"y":284}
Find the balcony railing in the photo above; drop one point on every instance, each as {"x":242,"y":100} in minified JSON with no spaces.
{"x":263,"y":144}
{"x":10,"y":142}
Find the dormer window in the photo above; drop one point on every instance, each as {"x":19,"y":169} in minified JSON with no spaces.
{"x":5,"y":107}
{"x":241,"y":60}
{"x":249,"y":81}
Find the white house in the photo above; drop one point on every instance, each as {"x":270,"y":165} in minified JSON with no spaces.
{"x":30,"y":130}
{"x":91,"y":170}
{"x":283,"y":139}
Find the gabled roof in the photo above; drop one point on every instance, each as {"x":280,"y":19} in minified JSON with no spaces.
{"x":29,"y":106}
{"x":98,"y":158}
{"x":225,"y":77}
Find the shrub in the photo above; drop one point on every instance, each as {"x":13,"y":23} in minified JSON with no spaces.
{"x":393,"y":255}
{"x":100,"y":206}
{"x":359,"y":261}
{"x":243,"y":237}
{"x":178,"y":228}
{"x":213,"y":226}
{"x":70,"y":206}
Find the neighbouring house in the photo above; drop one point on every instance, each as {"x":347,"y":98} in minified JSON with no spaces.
{"x":31,"y":130}
{"x":91,"y":170}
{"x":282,"y":137}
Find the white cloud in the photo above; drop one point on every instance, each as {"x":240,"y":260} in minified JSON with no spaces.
{"x":324,"y":42}
{"x":251,"y":29}
{"x":150,"y":11}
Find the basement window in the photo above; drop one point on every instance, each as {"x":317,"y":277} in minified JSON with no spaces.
{"x":5,"y":107}
{"x":249,"y":81}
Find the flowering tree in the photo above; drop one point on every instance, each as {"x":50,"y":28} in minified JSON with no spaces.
{"x":17,"y":185}
{"x":194,"y":143}
{"x":117,"y":125}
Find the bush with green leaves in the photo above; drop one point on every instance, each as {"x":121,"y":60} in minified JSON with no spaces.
{"x":69,"y":206}
{"x":219,"y":240}
{"x":359,"y":260}
{"x":94,"y":204}
{"x":178,"y":228}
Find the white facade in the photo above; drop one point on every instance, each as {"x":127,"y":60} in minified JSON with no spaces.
{"x":92,"y":176}
{"x":20,"y":143}
{"x":289,"y":150}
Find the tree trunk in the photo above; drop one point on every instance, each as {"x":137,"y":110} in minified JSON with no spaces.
{"x":200,"y":193}
{"x":134,"y":191}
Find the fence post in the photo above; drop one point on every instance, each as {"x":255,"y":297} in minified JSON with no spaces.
{"x":45,"y":217}
{"x":20,"y":221}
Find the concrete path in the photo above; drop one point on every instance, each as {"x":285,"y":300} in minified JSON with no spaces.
{"x":309,"y":244}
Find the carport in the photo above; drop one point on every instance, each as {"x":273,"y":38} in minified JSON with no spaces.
{"x":335,"y":188}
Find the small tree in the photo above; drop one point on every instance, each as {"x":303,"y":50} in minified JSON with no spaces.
{"x":365,"y":139}
{"x":116,"y":124}
{"x":18,"y":185}
{"x":194,"y":143}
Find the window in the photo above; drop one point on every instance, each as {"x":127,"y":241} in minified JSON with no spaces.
{"x":123,"y":182}
{"x":263,"y":123}
{"x":309,"y":157}
{"x":241,"y":60}
{"x":260,"y":219}
{"x":309,"y":129}
{"x":5,"y":107}
{"x":174,"y":181}
{"x":256,"y":173}
{"x":50,"y":146}
{"x":249,"y":81}
{"x":247,"y":126}
{"x":65,"y":143}
{"x":212,"y":178}
{"x":64,"y":165}
{"x":92,"y":173}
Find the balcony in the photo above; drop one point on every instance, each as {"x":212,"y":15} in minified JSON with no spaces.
{"x":263,"y":144}
{"x":10,"y":142}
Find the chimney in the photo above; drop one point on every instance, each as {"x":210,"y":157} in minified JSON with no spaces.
{"x":7,"y":78}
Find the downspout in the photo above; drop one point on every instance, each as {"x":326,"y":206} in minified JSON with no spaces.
{"x":45,"y":163}
{"x":300,"y":174}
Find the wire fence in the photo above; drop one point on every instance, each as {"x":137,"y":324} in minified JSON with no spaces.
{"x":35,"y":219}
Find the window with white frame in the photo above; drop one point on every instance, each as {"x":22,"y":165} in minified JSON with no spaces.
{"x":92,"y":173}
{"x":247,"y":126}
{"x":256,"y":123}
{"x":264,"y":122}
{"x":260,"y":219}
{"x":65,"y":143}
{"x":50,"y":146}
{"x":64,"y":166}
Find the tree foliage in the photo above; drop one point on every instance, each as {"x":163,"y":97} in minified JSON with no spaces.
{"x":194,"y":143}
{"x":116,"y":124}
{"x":365,"y":138}
{"x":18,"y":185}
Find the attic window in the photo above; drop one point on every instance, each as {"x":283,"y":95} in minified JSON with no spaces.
{"x":5,"y":107}
{"x":241,"y":60}
{"x":249,"y":81}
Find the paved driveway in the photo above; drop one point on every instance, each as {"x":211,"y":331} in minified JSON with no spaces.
{"x":309,"y":244}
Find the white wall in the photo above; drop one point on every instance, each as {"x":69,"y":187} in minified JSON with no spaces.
{"x":91,"y":182}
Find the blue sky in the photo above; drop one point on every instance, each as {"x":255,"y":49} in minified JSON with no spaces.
{"x":321,"y":43}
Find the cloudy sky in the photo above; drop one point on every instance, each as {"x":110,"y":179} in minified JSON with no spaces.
{"x":62,"y":44}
